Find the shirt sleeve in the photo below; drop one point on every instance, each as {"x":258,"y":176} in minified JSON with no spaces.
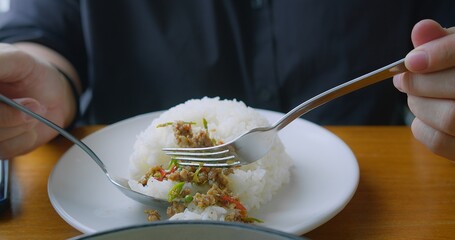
{"x":53,"y":23}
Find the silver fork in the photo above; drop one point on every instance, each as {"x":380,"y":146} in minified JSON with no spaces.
{"x":255,"y":143}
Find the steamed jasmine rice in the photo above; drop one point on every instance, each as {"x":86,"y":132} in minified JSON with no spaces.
{"x":204,"y":193}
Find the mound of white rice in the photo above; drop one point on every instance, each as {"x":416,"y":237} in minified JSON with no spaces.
{"x":255,"y":184}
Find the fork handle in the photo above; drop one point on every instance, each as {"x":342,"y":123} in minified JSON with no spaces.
{"x":376,"y":76}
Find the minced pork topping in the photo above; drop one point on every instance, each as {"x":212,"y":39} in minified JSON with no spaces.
{"x":214,"y":179}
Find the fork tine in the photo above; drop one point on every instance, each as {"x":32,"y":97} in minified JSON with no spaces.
{"x":189,"y":152}
{"x":204,"y":159}
{"x":214,"y":165}
{"x":217,"y":156}
{"x":198,"y":149}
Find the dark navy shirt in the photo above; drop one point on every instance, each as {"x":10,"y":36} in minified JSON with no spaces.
{"x":141,"y":56}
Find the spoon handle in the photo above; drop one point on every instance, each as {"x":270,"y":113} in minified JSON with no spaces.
{"x":54,"y":126}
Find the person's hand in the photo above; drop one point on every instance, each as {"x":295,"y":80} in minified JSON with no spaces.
{"x":430,"y":86}
{"x":37,"y":85}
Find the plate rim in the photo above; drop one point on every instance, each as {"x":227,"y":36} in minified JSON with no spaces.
{"x":230,"y":225}
{"x":296,"y":230}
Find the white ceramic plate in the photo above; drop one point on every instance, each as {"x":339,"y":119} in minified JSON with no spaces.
{"x":323,"y":180}
{"x":190,"y":230}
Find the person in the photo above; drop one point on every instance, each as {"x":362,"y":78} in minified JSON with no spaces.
{"x":115,"y":59}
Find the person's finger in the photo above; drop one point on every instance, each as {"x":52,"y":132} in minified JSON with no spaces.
{"x":434,"y":48}
{"x":17,"y":130}
{"x":11,"y":132}
{"x":10,"y":117}
{"x":14,"y":64}
{"x":18,"y":145}
{"x":438,"y":84}
{"x":437,"y":113}
{"x":426,"y":31}
{"x":438,"y":142}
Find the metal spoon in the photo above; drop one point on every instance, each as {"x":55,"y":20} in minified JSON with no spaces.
{"x":119,"y":182}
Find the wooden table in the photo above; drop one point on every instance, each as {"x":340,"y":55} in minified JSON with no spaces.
{"x":405,"y":191}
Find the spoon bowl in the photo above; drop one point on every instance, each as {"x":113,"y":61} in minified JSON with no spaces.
{"x":123,"y":186}
{"x":119,"y":182}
